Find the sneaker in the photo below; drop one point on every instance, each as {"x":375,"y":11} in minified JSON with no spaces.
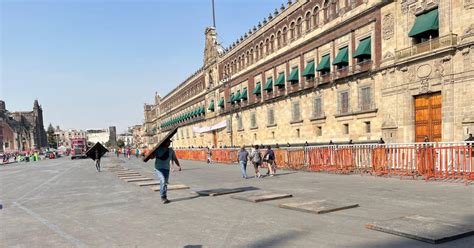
{"x":165,"y":201}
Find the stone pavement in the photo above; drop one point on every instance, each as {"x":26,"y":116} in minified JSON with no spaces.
{"x":66,"y":203}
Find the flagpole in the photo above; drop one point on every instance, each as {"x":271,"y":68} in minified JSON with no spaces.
{"x":213,"y":15}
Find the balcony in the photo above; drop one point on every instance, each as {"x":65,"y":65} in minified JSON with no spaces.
{"x":427,"y":46}
{"x":363,"y":66}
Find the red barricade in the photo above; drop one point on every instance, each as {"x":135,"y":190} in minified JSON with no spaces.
{"x":429,"y":160}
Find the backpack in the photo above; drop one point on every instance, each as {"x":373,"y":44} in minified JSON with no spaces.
{"x":256,"y":158}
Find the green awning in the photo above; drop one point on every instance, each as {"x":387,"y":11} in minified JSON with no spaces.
{"x":257,"y":90}
{"x":237,"y":96}
{"x":309,"y":69}
{"x":231,"y":98}
{"x":221,"y":102}
{"x":364,"y":48}
{"x":202,"y":110}
{"x":280,"y":82}
{"x":425,"y":22}
{"x":269,"y":85}
{"x":211,"y":106}
{"x":294,"y":75}
{"x":342,"y":57}
{"x":324,"y":64}
{"x":244,"y":94}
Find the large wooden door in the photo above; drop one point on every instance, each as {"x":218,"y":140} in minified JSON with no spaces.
{"x":428,"y":117}
{"x":214,"y":138}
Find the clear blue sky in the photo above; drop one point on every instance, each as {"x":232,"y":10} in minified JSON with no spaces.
{"x":94,"y":63}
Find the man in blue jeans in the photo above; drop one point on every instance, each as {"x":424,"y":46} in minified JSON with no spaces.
{"x":243,"y":158}
{"x":164,"y":154}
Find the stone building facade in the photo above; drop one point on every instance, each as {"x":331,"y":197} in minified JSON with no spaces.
{"x":22,"y":130}
{"x":65,"y":137}
{"x":331,"y":70}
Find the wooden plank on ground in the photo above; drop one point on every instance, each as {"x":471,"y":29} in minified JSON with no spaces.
{"x":426,"y":229}
{"x":171,"y":187}
{"x":317,"y":206}
{"x":130,"y":177}
{"x":140,"y":179}
{"x":260,"y":196}
{"x":148,"y":183}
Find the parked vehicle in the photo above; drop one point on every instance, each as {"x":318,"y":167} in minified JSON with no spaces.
{"x":78,"y":148}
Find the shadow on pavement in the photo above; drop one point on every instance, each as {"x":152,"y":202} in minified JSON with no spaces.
{"x":192,"y":246}
{"x":185,"y":198}
{"x":276,"y":240}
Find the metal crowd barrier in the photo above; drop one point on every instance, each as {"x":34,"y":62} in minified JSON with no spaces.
{"x":447,"y":160}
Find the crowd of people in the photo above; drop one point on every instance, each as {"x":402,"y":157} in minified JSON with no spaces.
{"x":127,"y":152}
{"x":259,"y":160}
{"x":22,"y":157}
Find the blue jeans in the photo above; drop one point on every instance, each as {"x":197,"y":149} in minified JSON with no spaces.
{"x":163,"y":175}
{"x":243,"y":168}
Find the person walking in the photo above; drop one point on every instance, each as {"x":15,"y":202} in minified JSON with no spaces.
{"x":97,"y":160}
{"x":269,"y":158}
{"x":256,"y":157}
{"x":129,"y":152}
{"x":209,"y":156}
{"x":164,"y":155}
{"x":242,"y":156}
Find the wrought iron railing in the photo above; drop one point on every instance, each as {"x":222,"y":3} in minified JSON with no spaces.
{"x":427,"y":46}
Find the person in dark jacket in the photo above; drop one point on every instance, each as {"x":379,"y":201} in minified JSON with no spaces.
{"x":269,"y":158}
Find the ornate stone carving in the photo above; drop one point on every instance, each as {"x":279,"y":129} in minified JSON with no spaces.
{"x":388,"y":26}
{"x":468,"y":34}
{"x":469,"y":4}
{"x":439,"y":68}
{"x":416,"y":6}
{"x":423,"y":71}
{"x":388,"y":56}
{"x":424,"y":86}
{"x":211,"y":47}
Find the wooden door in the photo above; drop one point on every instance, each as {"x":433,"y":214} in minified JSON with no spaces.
{"x":428,"y":117}
{"x":214,"y":138}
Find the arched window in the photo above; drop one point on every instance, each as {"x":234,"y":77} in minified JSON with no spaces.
{"x":326,"y":10}
{"x":261,"y":50}
{"x":299,"y":27}
{"x":316,"y":17}
{"x":278,"y":39}
{"x":267,"y":46}
{"x":284,"y":35}
{"x":307,"y":21}
{"x":336,"y":8}
{"x":292,"y":31}
{"x":272,"y":43}
{"x":257,"y":55}
{"x":247,"y":59}
{"x":251,"y":56}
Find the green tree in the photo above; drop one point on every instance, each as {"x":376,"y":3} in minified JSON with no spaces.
{"x":120,"y":143}
{"x":51,"y":137}
{"x":107,"y":144}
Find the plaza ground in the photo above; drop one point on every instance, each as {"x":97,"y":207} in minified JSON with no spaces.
{"x":66,"y":203}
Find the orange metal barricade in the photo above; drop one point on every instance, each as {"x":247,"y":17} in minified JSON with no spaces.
{"x":428,"y":160}
{"x":296,"y":158}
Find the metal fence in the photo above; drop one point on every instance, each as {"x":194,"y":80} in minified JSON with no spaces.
{"x":447,"y":160}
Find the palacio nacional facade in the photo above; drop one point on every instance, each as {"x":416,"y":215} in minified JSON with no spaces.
{"x":330,"y":70}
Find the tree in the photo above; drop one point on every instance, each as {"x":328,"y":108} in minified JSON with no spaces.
{"x":51,"y":137}
{"x":120,"y":143}
{"x":107,"y":144}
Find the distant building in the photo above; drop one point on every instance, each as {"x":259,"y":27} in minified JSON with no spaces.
{"x":64,"y":137}
{"x":22,"y":130}
{"x":138,"y":136}
{"x":127,"y":138}
{"x":113,"y":136}
{"x":98,"y":135}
